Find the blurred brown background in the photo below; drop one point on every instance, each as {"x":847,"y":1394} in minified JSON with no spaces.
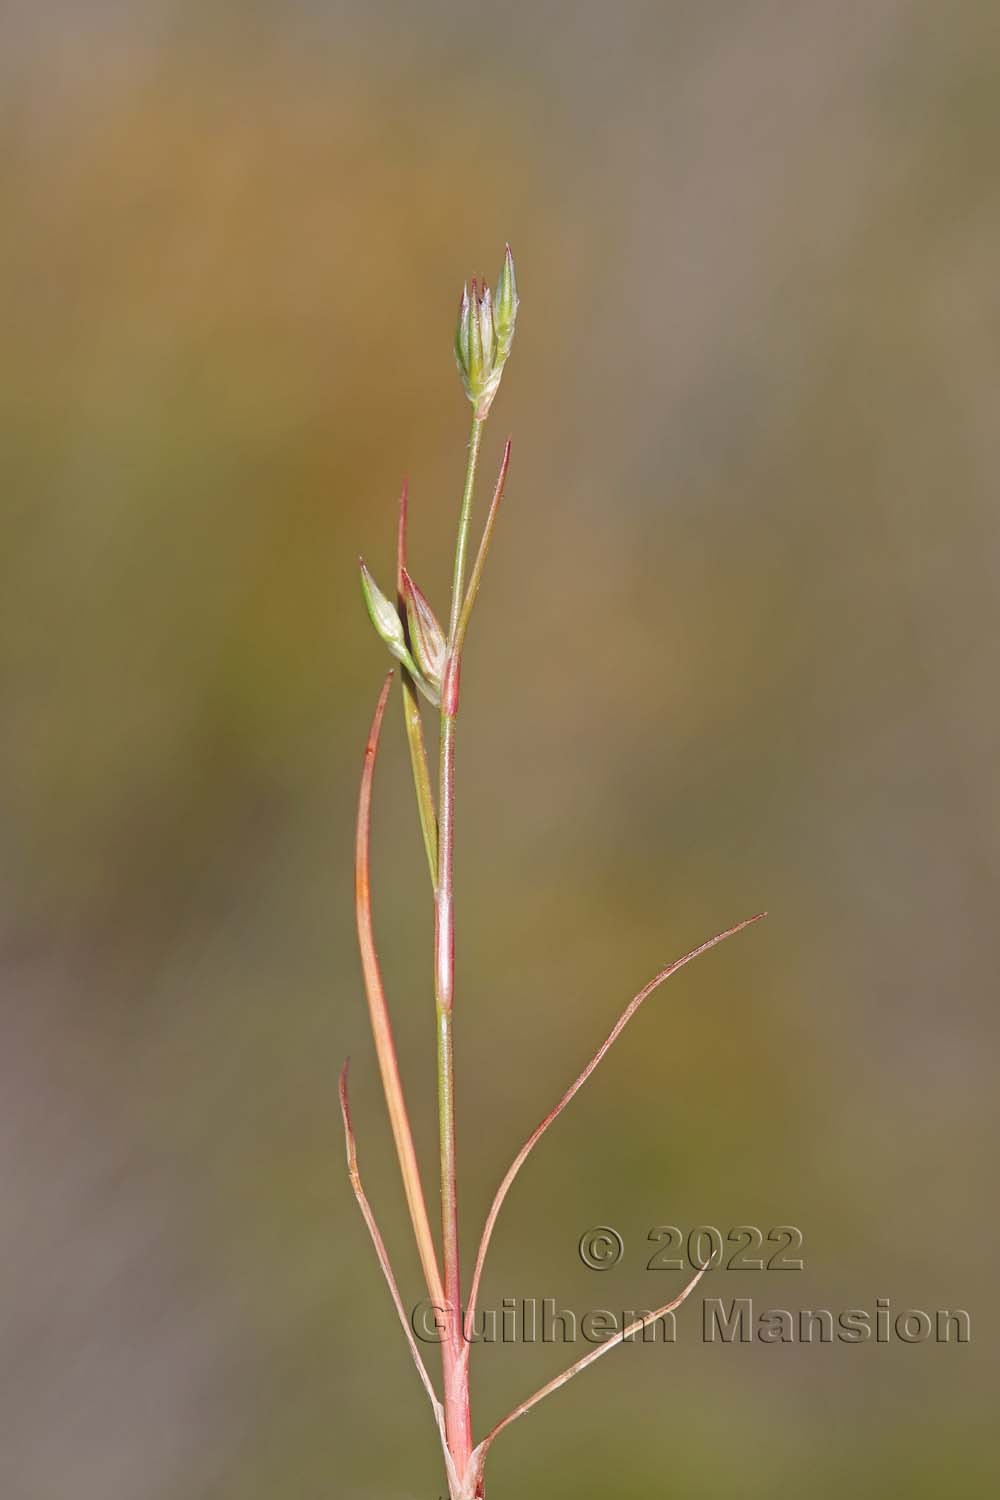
{"x":737,"y":648}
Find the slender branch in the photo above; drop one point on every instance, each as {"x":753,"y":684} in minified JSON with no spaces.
{"x":574,"y":1089}
{"x":462,"y":542}
{"x":421,"y":771}
{"x":380,"y":1250}
{"x":378,"y":1009}
{"x":588,"y":1359}
{"x":454,"y":1350}
{"x":412,"y":716}
{"x":476,"y":576}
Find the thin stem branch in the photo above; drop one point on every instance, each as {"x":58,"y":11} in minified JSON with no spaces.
{"x":421,"y":772}
{"x":581,"y":1364}
{"x":412,"y":715}
{"x":379,"y":1243}
{"x":574,"y":1089}
{"x":462,"y":542}
{"x":476,"y":576}
{"x":385,"y":1046}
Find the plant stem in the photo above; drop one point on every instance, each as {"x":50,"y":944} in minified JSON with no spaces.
{"x":421,"y":774}
{"x":411,"y":711}
{"x":462,"y":543}
{"x":484,"y":547}
{"x":454,"y":1348}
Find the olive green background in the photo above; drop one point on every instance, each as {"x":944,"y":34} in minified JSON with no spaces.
{"x":736,"y":648}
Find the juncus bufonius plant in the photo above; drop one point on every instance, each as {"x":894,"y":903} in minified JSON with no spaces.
{"x":430,"y":656}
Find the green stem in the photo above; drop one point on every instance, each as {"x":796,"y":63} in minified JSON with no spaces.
{"x":421,"y":772}
{"x":454,"y":1350}
{"x":484,"y":547}
{"x":411,"y":709}
{"x":462,"y":544}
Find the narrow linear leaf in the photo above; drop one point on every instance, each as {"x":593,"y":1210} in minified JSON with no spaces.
{"x":479,"y":1453}
{"x":476,"y":576}
{"x":385,"y":1046}
{"x":575,"y":1088}
{"x":380,"y":1249}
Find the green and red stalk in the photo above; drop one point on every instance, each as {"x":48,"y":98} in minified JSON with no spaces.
{"x":482,"y":345}
{"x":455,"y":1350}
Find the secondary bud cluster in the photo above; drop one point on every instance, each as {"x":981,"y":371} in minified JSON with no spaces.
{"x":485,"y":334}
{"x":425,"y":663}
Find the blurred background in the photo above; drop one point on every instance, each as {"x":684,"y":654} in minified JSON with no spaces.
{"x":734,"y":651}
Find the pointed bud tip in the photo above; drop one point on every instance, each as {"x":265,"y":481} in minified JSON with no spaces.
{"x":426,"y":636}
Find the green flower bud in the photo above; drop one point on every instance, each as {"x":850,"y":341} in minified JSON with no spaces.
{"x":389,"y":628}
{"x":474,"y":342}
{"x":426,"y":635}
{"x":484,"y":336}
{"x":463,"y":334}
{"x":505,"y":307}
{"x":383,"y":616}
